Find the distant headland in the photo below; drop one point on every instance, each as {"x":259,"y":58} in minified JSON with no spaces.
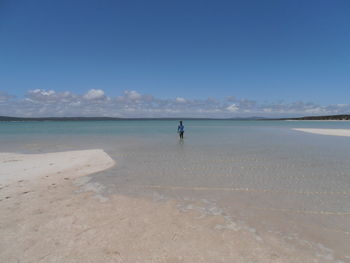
{"x":8,"y":118}
{"x":322,"y":118}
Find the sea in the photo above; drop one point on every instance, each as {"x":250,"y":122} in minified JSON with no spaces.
{"x":260,"y":175}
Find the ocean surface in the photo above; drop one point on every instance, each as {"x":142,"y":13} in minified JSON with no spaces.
{"x":259,"y":175}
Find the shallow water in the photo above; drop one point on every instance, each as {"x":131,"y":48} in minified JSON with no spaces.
{"x":263,"y":173}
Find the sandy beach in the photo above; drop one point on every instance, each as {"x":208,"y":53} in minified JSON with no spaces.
{"x":334,"y":132}
{"x":174,"y":131}
{"x":46,"y":217}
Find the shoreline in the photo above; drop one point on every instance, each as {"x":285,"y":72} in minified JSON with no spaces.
{"x":45,"y":217}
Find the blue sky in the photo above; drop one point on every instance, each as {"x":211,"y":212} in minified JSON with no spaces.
{"x":185,"y":55}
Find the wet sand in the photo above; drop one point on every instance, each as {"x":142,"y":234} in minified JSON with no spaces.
{"x":49,"y":213}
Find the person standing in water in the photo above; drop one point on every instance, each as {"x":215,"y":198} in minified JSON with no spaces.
{"x":181,"y":130}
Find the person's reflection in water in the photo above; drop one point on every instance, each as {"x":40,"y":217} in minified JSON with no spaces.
{"x":181,"y":143}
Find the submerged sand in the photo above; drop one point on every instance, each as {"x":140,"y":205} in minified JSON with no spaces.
{"x":334,"y":132}
{"x":45,"y":217}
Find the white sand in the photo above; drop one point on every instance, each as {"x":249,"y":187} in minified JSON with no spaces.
{"x":15,"y":167}
{"x":43,"y":218}
{"x":334,"y":132}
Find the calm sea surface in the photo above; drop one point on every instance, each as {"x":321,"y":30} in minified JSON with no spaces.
{"x":261,"y":174}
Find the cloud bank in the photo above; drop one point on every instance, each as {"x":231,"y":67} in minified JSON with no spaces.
{"x":130,"y":104}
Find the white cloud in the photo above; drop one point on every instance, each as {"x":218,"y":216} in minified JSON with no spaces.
{"x":41,"y":95}
{"x":315,"y":110}
{"x":94,"y":94}
{"x":232,"y":108}
{"x":130,"y":103}
{"x":41,"y":92}
{"x":180,"y":100}
{"x":132,"y":95}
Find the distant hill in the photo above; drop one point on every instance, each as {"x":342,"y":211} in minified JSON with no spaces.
{"x":7,"y":118}
{"x":328,"y":117}
{"x":249,"y":118}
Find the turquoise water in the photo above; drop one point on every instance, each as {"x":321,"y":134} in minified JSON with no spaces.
{"x":263,"y":173}
{"x":149,"y":127}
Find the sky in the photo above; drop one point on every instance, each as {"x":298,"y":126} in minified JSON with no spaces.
{"x":174,"y":58}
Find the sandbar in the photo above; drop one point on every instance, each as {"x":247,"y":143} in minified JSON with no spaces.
{"x":334,"y":132}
